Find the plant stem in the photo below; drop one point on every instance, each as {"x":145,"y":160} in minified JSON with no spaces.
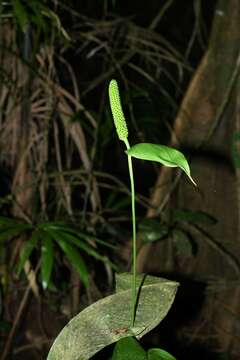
{"x":134,"y":242}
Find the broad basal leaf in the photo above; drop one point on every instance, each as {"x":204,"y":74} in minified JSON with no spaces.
{"x":108,"y":320}
{"x":165,"y":155}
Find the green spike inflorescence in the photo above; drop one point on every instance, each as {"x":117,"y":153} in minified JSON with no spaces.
{"x":116,"y":107}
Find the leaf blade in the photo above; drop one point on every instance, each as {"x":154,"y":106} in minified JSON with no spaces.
{"x":27,"y":250}
{"x":165,"y":155}
{"x":87,"y":248}
{"x":8,"y":232}
{"x":128,"y":349}
{"x":73,"y":256}
{"x":152,"y":230}
{"x":65,"y":227}
{"x":100,"y":324}
{"x":46,"y":260}
{"x":194,"y":217}
{"x":159,"y":354}
{"x":20,"y":15}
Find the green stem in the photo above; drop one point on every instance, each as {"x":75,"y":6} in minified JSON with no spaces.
{"x":134,"y":243}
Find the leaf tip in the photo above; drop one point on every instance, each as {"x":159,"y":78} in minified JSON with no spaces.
{"x":194,"y":183}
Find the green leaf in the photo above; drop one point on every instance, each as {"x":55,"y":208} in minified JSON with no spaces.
{"x":27,"y":249}
{"x":182,"y":242}
{"x":72,"y":254}
{"x":85,"y":247}
{"x":128,"y":349}
{"x":7,"y":233}
{"x":53,"y":225}
{"x":46,"y":259}
{"x":64,"y":227}
{"x":37,"y":8}
{"x":108,"y":320}
{"x":194,"y":217}
{"x":6,"y":221}
{"x":151,"y":230}
{"x":163,"y":154}
{"x":119,"y":204}
{"x":159,"y":354}
{"x":20,"y":14}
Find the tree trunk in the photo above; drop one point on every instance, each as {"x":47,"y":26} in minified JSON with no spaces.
{"x":205,"y":126}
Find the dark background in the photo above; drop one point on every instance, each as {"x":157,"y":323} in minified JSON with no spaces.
{"x":177,"y":65}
